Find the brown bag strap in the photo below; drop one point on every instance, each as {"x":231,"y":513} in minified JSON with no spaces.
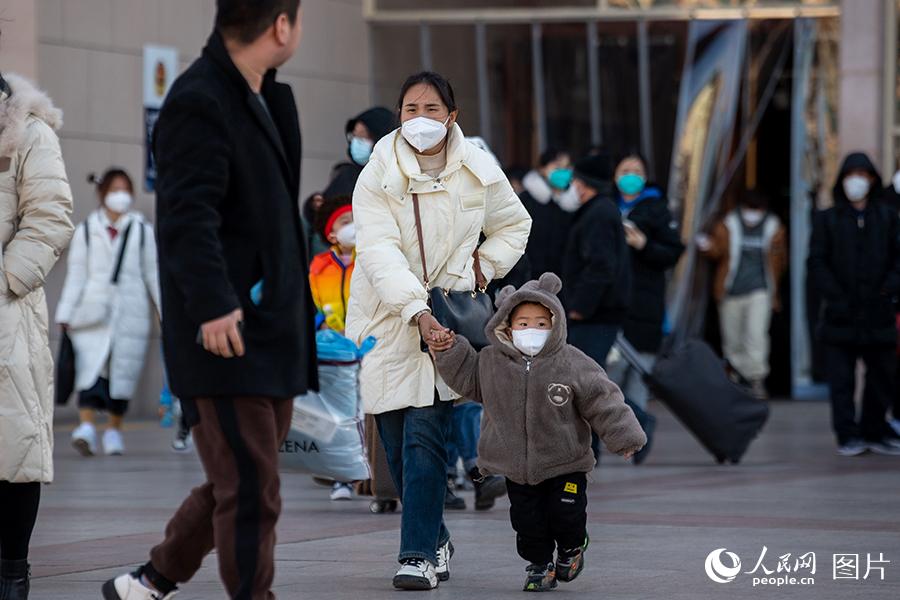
{"x":480,"y":279}
{"x":421,"y":240}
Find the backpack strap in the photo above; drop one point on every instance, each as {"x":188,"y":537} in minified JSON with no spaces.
{"x":121,"y":258}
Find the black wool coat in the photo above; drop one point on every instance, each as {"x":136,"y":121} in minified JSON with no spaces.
{"x":228,"y":217}
{"x":597,"y":264}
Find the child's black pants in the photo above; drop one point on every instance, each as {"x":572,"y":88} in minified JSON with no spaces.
{"x":547,"y":516}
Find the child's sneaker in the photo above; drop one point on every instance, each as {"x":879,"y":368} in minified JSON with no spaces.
{"x":341,"y":491}
{"x":541,"y":578}
{"x":570,"y":564}
{"x":182,"y":440}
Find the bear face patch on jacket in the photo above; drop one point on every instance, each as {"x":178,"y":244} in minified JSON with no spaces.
{"x":559,"y":394}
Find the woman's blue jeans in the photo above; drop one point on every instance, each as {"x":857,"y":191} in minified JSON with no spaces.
{"x":415,"y":441}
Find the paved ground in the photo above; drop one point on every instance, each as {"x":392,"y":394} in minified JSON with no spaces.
{"x":652,"y":527}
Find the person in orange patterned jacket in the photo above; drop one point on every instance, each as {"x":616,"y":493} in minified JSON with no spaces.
{"x":330,"y":271}
{"x":329,"y":279}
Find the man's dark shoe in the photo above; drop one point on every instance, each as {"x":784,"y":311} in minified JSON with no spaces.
{"x":487,"y":489}
{"x":452,"y":501}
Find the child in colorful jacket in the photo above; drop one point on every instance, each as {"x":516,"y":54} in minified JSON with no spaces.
{"x":330,"y":271}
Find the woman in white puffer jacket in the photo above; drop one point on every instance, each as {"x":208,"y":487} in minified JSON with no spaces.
{"x":35,"y":227}
{"x":107,"y":308}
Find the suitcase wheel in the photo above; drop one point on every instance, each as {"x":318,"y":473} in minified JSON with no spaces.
{"x":383,"y":506}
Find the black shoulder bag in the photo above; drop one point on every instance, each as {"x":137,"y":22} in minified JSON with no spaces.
{"x":464,"y":313}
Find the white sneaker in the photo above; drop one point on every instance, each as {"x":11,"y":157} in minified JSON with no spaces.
{"x":182,"y":441}
{"x":341,"y":491}
{"x":112,"y":443}
{"x":853,"y":447}
{"x":129,"y":587}
{"x":444,"y":554}
{"x":84,"y":439}
{"x":416,"y":574}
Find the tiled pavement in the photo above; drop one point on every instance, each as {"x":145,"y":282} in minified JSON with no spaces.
{"x":652,"y":527}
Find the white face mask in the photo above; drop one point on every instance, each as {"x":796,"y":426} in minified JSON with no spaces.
{"x":896,"y":181}
{"x":856,"y":187}
{"x":423,"y":133}
{"x":530,"y":341}
{"x":118,"y":202}
{"x":752,"y":216}
{"x":346,"y":236}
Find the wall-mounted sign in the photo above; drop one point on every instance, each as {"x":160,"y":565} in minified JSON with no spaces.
{"x":160,"y":70}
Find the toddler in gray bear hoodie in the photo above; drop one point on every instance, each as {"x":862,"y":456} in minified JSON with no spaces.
{"x":542,"y":398}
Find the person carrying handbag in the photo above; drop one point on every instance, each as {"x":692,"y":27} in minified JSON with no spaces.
{"x":459,"y":191}
{"x":106,"y":308}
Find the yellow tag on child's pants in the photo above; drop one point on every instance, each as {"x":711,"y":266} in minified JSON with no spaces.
{"x":571,"y":488}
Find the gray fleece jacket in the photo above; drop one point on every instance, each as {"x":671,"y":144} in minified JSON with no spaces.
{"x":538,"y":412}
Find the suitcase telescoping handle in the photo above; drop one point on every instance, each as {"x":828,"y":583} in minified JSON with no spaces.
{"x":632,"y":356}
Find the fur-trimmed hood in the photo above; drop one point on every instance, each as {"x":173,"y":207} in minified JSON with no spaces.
{"x":23,"y":100}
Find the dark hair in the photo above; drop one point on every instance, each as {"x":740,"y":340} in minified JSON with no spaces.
{"x":246,"y":20}
{"x":755,"y":199}
{"x":438,"y":82}
{"x":631,"y":154}
{"x":328,"y":208}
{"x":105,"y":182}
{"x":549,"y":155}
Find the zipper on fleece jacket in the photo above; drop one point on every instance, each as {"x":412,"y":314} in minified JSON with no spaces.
{"x":528,"y":363}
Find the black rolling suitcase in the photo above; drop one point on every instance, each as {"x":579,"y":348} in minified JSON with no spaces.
{"x":691,"y":380}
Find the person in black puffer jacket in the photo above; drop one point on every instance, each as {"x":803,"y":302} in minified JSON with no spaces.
{"x":854,"y":260}
{"x":652,"y":236}
{"x":551,"y":201}
{"x":596,"y":264}
{"x":362,"y":132}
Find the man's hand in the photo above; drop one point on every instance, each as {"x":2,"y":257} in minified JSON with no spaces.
{"x":704,"y":243}
{"x":222,"y":336}
{"x":635,"y":238}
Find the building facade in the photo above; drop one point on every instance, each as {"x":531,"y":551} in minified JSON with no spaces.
{"x":817,"y":78}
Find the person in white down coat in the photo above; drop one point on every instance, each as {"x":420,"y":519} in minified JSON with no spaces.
{"x":463,"y":193}
{"x":35,"y":227}
{"x":108,"y":303}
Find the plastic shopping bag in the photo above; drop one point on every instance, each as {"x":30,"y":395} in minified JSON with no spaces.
{"x":326,"y":437}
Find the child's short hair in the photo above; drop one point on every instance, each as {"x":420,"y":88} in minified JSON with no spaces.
{"x":323,"y":216}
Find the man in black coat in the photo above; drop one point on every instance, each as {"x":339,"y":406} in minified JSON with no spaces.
{"x":238,"y":316}
{"x":596,"y":264}
{"x":854,"y":260}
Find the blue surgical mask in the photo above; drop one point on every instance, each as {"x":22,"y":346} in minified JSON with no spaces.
{"x":360,"y":150}
{"x":560,"y":179}
{"x":631,"y":184}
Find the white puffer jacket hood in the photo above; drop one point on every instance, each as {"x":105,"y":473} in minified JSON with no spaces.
{"x":35,"y":227}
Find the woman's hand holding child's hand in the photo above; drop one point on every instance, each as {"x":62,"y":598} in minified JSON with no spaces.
{"x":437,"y":337}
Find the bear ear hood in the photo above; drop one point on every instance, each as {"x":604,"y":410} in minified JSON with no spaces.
{"x":542,"y":291}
